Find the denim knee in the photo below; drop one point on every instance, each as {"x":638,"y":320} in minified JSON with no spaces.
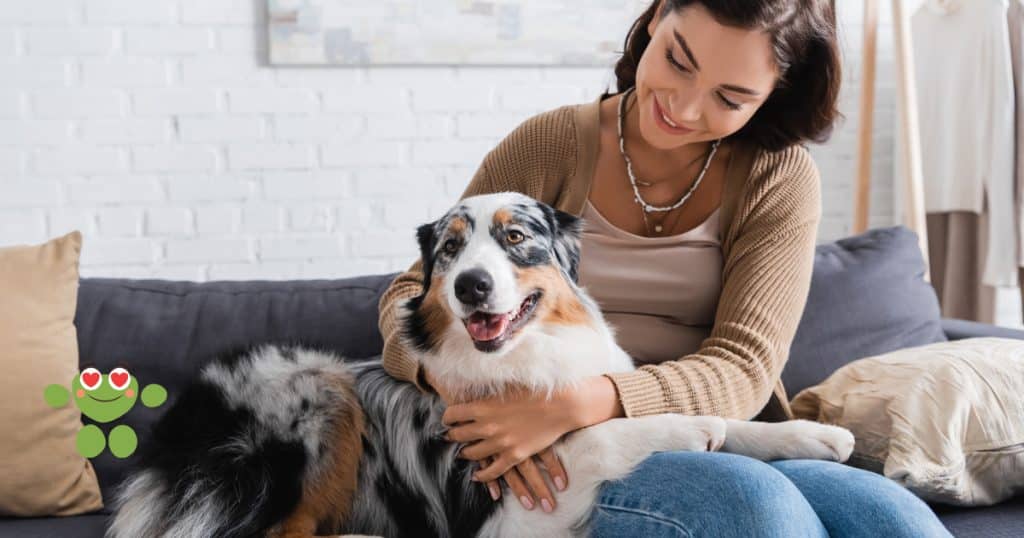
{"x":854,"y":502}
{"x":704,"y":494}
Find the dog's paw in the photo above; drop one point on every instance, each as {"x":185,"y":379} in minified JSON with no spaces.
{"x":699,"y":433}
{"x":814,"y":440}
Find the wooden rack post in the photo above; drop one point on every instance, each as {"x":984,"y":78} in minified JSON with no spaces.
{"x":914,"y":214}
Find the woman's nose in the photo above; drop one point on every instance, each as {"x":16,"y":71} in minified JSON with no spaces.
{"x":685,"y":106}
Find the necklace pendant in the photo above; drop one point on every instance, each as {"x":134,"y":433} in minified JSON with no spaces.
{"x":657,"y":228}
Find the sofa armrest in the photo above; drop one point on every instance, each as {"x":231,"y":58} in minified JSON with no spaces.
{"x":957,"y":329}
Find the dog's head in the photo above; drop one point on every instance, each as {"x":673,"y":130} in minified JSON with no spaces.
{"x":496,"y":267}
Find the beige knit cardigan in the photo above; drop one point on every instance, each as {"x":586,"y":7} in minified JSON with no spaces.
{"x":771,"y":207}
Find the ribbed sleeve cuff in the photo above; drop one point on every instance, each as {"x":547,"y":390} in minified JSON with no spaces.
{"x":640,"y":393}
{"x":400,"y":364}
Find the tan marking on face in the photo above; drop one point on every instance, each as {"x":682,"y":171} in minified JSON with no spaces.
{"x":329,"y":496}
{"x":434,"y":309}
{"x":502,"y":217}
{"x":559,"y":304}
{"x":458,"y":225}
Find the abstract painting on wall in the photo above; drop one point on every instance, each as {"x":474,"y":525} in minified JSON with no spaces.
{"x":449,"y":32}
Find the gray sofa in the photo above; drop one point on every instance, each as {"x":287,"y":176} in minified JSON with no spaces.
{"x":867,"y":296}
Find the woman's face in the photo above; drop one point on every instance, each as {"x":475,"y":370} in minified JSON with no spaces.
{"x":707,"y":79}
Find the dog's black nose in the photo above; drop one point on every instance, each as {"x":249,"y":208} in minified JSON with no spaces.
{"x":472,"y":287}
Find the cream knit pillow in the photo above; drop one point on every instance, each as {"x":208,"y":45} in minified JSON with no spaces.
{"x":41,"y":471}
{"x":946,"y":420}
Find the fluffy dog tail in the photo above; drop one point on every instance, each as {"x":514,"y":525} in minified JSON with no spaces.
{"x":258,"y":433}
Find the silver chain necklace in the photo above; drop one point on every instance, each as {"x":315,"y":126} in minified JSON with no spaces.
{"x":648,"y":208}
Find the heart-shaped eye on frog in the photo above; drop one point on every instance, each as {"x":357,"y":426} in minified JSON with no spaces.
{"x":91,"y":388}
{"x":105,"y":398}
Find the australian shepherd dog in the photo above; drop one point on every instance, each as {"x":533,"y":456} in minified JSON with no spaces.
{"x":287,"y":440}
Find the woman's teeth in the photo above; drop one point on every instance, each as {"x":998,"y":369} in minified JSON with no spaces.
{"x":668,"y":121}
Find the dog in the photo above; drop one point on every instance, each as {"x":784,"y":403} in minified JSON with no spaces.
{"x":282,"y":439}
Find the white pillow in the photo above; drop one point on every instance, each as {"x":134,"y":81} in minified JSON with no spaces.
{"x":946,"y":420}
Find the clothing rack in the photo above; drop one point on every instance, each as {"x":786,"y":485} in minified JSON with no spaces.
{"x":913,"y":199}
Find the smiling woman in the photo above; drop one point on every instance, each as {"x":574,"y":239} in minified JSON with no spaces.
{"x":706,"y":133}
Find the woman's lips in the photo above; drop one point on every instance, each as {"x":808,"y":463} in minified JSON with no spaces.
{"x":658,"y":112}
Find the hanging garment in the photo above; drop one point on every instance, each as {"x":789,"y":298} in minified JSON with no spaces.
{"x":966,"y":113}
{"x":1015,"y":23}
{"x":956,"y":242}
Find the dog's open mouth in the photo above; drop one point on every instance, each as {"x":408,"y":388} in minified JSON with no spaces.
{"x":489,"y":331}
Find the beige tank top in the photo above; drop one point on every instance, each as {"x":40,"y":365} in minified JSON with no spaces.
{"x":659,"y":293}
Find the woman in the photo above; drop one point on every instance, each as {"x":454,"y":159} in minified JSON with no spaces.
{"x":701,"y":210}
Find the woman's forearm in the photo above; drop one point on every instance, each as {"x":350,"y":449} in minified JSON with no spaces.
{"x":596,"y":401}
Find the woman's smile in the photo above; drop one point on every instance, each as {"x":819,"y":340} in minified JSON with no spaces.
{"x":663,"y":121}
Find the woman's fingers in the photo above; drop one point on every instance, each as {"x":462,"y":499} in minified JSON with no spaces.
{"x":480,"y":450}
{"x":555,"y":469}
{"x":453,"y":414}
{"x":466,"y":433}
{"x":493,"y":487}
{"x":498,"y":467}
{"x":529,"y":470}
{"x":518,"y":486}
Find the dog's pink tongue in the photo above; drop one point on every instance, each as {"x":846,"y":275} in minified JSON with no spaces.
{"x":484,"y":327}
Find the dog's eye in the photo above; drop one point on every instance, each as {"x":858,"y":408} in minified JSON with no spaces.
{"x":450,"y":246}
{"x":515,"y":236}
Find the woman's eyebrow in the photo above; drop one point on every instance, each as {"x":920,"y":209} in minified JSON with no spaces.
{"x":686,"y":49}
{"x":696,"y":66}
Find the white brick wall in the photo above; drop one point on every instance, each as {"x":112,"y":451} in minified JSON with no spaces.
{"x":156,"y":127}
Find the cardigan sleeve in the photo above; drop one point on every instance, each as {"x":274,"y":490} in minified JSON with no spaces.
{"x":398,"y":359}
{"x":766,"y":280}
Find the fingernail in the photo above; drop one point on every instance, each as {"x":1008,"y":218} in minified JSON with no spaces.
{"x":545,"y":505}
{"x":474,"y":478}
{"x":494,"y":491}
{"x":527,"y":503}
{"x":559,"y":483}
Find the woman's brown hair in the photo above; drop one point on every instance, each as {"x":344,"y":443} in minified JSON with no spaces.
{"x":803,"y":105}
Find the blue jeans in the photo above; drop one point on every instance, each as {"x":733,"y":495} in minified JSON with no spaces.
{"x":690,"y":494}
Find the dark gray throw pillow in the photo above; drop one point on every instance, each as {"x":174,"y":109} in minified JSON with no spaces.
{"x":868,"y":296}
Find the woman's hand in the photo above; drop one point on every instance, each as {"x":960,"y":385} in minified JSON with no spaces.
{"x":505,"y":433}
{"x":510,"y":434}
{"x":528,"y":472}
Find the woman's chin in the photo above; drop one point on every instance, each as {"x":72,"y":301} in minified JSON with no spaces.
{"x":658,"y":139}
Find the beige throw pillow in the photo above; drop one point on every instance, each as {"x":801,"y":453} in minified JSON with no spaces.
{"x":946,"y":420}
{"x":42,"y":472}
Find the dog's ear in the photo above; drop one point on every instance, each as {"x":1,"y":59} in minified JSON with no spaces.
{"x":412,"y":325}
{"x":427,"y":237}
{"x":568,"y":229}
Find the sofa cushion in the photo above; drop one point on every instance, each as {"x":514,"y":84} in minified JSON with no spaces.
{"x":868,"y":296}
{"x":92,"y":525}
{"x":41,"y":471}
{"x":1004,"y":520}
{"x":164,"y":331}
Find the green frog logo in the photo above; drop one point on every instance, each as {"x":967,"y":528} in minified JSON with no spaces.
{"x":104,"y":399}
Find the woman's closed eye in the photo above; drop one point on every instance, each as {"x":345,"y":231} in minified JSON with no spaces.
{"x":672,"y":60}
